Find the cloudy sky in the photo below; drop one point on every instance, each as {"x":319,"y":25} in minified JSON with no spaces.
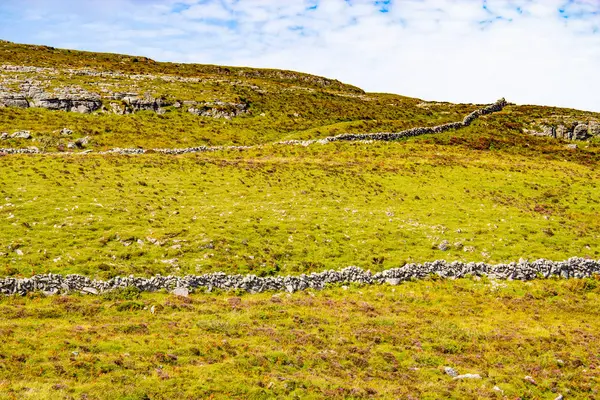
{"x":529,"y":51}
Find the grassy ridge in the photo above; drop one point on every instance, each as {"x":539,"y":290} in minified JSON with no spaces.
{"x":363,"y":342}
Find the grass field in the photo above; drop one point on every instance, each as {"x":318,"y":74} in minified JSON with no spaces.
{"x":363,"y":342}
{"x":294,"y":209}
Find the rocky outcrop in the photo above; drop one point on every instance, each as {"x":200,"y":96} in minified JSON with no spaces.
{"x":219,"y":109}
{"x":570,"y":131}
{"x":80,"y":105}
{"x":523,"y":270}
{"x":13,"y":100}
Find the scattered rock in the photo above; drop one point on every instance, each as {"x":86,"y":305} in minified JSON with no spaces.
{"x":497,"y":389}
{"x":468,"y":376}
{"x":89,"y":290}
{"x":181,"y":291}
{"x":82,"y":142}
{"x":21,"y":135}
{"x":4,"y":136}
{"x":444,"y":246}
{"x":572,"y":146}
{"x":450,"y":371}
{"x":529,"y":379}
{"x":559,"y":397}
{"x":66,"y":132}
{"x":393,"y":281}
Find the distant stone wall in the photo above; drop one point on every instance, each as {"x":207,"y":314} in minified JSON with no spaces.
{"x":386,"y":136}
{"x":523,"y":270}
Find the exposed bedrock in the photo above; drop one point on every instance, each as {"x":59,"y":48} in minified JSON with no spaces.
{"x":523,"y":270}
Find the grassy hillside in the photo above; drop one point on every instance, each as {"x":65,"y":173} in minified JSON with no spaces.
{"x":493,"y":192}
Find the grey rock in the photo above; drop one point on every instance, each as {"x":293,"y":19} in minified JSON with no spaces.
{"x":594,"y":129}
{"x":82,"y":142}
{"x":66,"y":132}
{"x":21,"y":135}
{"x":559,"y":397}
{"x":581,"y":132}
{"x":450,"y":371}
{"x":181,"y":291}
{"x":468,"y":376}
{"x":572,"y":146}
{"x":4,"y":136}
{"x":393,"y":281}
{"x":13,"y":100}
{"x":89,"y":290}
{"x":444,"y":246}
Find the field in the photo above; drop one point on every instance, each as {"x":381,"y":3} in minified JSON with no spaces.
{"x":355,"y":342}
{"x":489,"y":192}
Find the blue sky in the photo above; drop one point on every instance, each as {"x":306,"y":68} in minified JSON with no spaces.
{"x":530,"y":51}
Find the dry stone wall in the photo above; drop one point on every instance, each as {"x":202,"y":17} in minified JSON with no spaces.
{"x":522,"y":270}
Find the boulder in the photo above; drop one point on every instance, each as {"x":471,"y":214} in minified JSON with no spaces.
{"x":21,"y":135}
{"x":13,"y":100}
{"x":82,"y":142}
{"x":580,"y":132}
{"x":594,"y":129}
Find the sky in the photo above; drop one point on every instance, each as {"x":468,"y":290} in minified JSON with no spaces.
{"x":543,"y":52}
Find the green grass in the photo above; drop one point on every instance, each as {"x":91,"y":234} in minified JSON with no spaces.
{"x":363,"y":342}
{"x":288,"y":209}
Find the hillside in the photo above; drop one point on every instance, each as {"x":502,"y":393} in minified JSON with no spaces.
{"x":116,"y":165}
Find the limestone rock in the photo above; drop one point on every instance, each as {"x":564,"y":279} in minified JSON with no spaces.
{"x":594,"y":128}
{"x":21,"y":135}
{"x":468,"y":376}
{"x":580,"y":132}
{"x":13,"y":100}
{"x":181,"y":291}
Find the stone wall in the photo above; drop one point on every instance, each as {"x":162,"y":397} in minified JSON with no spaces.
{"x":386,"y":136}
{"x":523,"y":270}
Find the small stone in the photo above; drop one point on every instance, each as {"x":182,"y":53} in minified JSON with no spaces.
{"x":66,"y":132}
{"x":21,"y":135}
{"x":444,"y":246}
{"x":497,"y":389}
{"x":468,"y":376}
{"x":181,"y":291}
{"x":89,"y":290}
{"x":530,"y":380}
{"x":4,"y":136}
{"x":450,"y":371}
{"x":559,"y":397}
{"x":19,"y":252}
{"x":393,"y":281}
{"x":572,"y":146}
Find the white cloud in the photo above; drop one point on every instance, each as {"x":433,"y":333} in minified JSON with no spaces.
{"x":530,"y":51}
